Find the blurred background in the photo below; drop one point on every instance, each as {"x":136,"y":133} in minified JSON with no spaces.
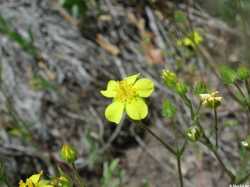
{"x":56,"y":56}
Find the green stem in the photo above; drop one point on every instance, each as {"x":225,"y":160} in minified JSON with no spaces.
{"x":178,"y":158}
{"x":216,"y":127}
{"x":190,"y":106}
{"x":243,"y":179}
{"x":240,"y":90}
{"x":170,"y":149}
{"x":177,"y":153}
{"x":246,"y":99}
{"x":210,"y":146}
{"x":247,"y":85}
{"x":78,"y":178}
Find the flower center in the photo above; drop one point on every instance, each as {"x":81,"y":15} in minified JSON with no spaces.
{"x":125,"y":91}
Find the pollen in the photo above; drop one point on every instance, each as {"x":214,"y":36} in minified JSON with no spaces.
{"x":125,"y":92}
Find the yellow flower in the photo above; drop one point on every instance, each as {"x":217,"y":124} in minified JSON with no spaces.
{"x":193,"y":40}
{"x":128,"y":94}
{"x":211,"y":100}
{"x":35,"y":181}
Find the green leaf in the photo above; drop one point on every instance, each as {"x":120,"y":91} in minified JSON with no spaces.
{"x":4,"y":27}
{"x":180,"y":16}
{"x":114,"y":164}
{"x":231,"y":123}
{"x":228,"y":75}
{"x":38,"y":83}
{"x":24,"y":43}
{"x":75,"y":7}
{"x":168,"y":109}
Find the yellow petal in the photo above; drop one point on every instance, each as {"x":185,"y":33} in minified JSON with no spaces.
{"x":114,"y":112}
{"x":144,"y":87}
{"x":137,"y":109}
{"x":188,"y":42}
{"x":131,"y":79}
{"x":197,"y":38}
{"x":34,"y":179}
{"x":111,"y":89}
{"x":45,"y":183}
{"x":22,"y":184}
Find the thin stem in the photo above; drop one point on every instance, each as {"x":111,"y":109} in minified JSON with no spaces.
{"x":216,"y":127}
{"x":210,"y":146}
{"x":170,"y":149}
{"x":247,"y":85}
{"x":246,"y":99}
{"x":78,"y":178}
{"x":230,"y":174}
{"x":243,"y":180}
{"x":190,"y":106}
{"x":240,"y":90}
{"x":177,"y":153}
{"x":178,"y":158}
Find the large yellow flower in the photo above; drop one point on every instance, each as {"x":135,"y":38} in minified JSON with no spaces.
{"x":128,"y":95}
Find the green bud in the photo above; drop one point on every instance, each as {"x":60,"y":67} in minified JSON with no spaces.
{"x":168,"y":109}
{"x":181,"y":88}
{"x":243,"y":73}
{"x":200,"y":88}
{"x":68,"y":153}
{"x":246,"y":143}
{"x":193,"y":133}
{"x":169,"y":78}
{"x":228,"y":75}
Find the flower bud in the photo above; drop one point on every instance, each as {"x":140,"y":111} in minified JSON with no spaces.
{"x":169,"y":79}
{"x":246,"y":143}
{"x":243,"y":73}
{"x":193,"y":133}
{"x":181,"y":88}
{"x":68,"y":153}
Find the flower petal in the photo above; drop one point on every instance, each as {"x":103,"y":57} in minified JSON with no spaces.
{"x":137,"y":109}
{"x":114,"y":112}
{"x":111,"y":89}
{"x":131,"y":79}
{"x":35,"y":178}
{"x":144,"y":87}
{"x":22,"y":184}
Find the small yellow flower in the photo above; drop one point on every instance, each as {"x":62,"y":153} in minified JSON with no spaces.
{"x":35,"y":181}
{"x":128,"y":94}
{"x":211,"y":100}
{"x":193,"y":40}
